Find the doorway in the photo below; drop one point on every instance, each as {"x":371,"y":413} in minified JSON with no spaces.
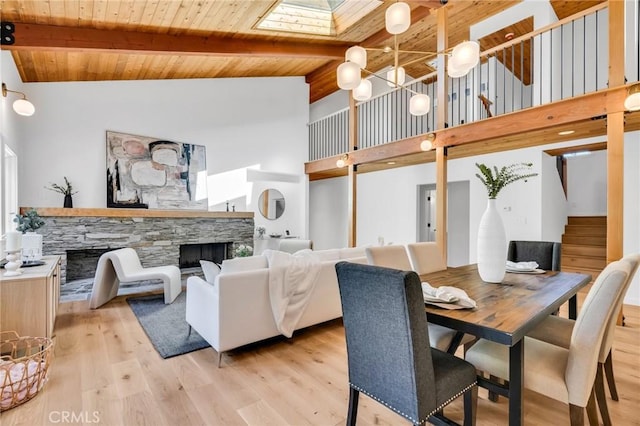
{"x":458,"y":217}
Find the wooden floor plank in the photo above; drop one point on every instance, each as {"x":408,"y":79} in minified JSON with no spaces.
{"x":105,"y":365}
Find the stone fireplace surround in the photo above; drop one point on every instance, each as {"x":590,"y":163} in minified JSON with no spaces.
{"x":156,"y":235}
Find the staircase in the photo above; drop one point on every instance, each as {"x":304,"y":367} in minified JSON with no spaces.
{"x":584,"y":245}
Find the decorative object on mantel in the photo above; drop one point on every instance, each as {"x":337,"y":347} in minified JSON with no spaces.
{"x":66,"y":190}
{"x":492,"y":240}
{"x":145,"y":172}
{"x":31,"y":242}
{"x":260,"y":231}
{"x":243,"y":251}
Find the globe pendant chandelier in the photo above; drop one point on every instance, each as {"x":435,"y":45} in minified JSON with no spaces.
{"x":462,"y":58}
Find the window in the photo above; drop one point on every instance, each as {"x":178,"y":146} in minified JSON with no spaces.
{"x":9,"y":173}
{"x":318,"y":17}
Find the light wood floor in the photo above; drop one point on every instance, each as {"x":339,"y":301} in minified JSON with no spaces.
{"x":106,"y":372}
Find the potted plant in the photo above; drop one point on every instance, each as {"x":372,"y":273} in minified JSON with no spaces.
{"x":28,"y":223}
{"x":492,"y":240}
{"x":66,"y":190}
{"x":243,"y":251}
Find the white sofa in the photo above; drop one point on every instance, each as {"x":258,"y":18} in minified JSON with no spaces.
{"x":235,"y":309}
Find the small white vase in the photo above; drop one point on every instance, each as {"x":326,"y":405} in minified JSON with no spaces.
{"x":492,"y":245}
{"x":31,"y":246}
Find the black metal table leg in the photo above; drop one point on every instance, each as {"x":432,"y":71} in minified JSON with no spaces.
{"x":573,"y":307}
{"x":516,"y":382}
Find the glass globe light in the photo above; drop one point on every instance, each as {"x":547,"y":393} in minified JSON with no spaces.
{"x":467,"y":54}
{"x":397,"y":18}
{"x":419,"y":104}
{"x":391,"y":77}
{"x":358,"y":55}
{"x":363,"y":91}
{"x":348,"y":75}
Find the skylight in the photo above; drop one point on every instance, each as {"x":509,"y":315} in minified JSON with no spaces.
{"x":318,"y":17}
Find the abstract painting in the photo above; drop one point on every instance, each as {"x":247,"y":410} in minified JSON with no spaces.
{"x":151,"y":173}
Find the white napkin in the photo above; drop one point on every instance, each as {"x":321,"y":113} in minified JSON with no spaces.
{"x":447,"y":297}
{"x":521,"y":266}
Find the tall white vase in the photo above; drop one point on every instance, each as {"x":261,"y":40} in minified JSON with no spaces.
{"x":492,"y":245}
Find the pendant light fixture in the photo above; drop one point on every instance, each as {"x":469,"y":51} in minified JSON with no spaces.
{"x":463,"y":58}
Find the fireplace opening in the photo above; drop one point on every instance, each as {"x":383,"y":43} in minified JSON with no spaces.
{"x":82,"y":264}
{"x":191,"y":254}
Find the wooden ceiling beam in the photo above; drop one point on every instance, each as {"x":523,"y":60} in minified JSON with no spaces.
{"x":34,"y":37}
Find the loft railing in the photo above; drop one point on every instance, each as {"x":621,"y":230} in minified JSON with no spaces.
{"x":329,"y":136}
{"x":564,"y":60}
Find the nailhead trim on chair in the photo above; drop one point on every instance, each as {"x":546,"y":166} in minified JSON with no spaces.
{"x":444,"y":404}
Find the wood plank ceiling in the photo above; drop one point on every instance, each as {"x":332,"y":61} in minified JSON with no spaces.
{"x":91,"y":40}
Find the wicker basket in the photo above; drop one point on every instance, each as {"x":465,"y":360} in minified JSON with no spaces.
{"x":24,"y":363}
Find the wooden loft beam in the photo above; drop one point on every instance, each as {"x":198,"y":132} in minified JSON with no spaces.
{"x":507,"y":126}
{"x":562,"y":112}
{"x":34,"y":37}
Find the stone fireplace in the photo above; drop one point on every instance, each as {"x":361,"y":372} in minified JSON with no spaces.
{"x":82,"y":235}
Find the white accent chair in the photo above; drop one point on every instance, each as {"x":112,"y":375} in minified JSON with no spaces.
{"x":395,"y":257}
{"x":292,"y":245}
{"x":564,"y":374}
{"x":123,"y":265}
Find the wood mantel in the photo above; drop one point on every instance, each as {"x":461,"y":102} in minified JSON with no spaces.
{"x":90,"y":212}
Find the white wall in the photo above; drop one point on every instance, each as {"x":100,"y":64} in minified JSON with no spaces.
{"x":329,"y":224}
{"x":252,"y":122}
{"x":587,"y":184}
{"x":387,"y":201}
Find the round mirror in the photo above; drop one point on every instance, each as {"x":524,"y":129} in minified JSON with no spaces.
{"x":271,"y":203}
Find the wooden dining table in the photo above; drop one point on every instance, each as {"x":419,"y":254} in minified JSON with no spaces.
{"x":505,"y":313}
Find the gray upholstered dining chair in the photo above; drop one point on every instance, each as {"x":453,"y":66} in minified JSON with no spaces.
{"x":557,"y":331}
{"x":564,"y":374}
{"x":388,"y":350}
{"x":395,"y":257}
{"x":545,"y":253}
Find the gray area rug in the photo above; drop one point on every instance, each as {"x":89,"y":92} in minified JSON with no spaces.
{"x":166,"y":325}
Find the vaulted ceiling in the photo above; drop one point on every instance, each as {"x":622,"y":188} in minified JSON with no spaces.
{"x":90,"y":40}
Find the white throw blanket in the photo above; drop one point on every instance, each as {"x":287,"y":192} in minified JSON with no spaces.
{"x":292,"y":278}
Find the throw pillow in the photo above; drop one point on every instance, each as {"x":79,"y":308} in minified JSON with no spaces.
{"x":210,"y":270}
